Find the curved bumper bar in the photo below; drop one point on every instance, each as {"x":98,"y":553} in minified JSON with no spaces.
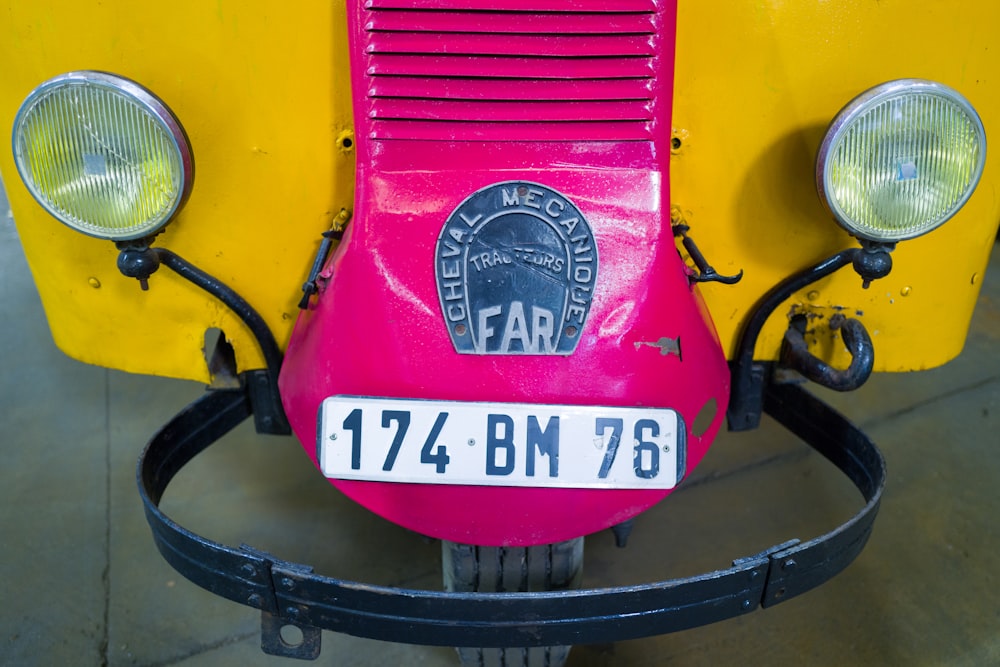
{"x":291,"y":594}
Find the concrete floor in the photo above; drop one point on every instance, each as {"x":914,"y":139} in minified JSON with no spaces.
{"x":84,"y":585}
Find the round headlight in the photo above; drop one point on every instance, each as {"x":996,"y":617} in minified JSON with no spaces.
{"x":900,"y":160}
{"x":103,"y":155}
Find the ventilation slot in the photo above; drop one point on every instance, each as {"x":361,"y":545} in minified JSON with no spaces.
{"x":471,"y":70}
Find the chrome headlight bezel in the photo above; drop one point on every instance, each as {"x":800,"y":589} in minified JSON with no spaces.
{"x":861,"y":110}
{"x":134,"y":103}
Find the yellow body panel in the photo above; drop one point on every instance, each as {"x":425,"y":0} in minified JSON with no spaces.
{"x":262,"y":90}
{"x":756,"y":85}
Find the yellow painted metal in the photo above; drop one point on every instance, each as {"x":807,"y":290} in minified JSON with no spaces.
{"x":262,"y":89}
{"x":263,"y":92}
{"x":756,"y":85}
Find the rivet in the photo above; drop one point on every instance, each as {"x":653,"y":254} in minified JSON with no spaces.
{"x":906,"y":291}
{"x":254,"y":600}
{"x":678,"y":136}
{"x":812,"y":295}
{"x":975,"y":278}
{"x":94,"y":282}
{"x":287,"y":583}
{"x":249,"y":570}
{"x":746,"y":604}
{"x":292,"y":613}
{"x":754,"y":574}
{"x":346,"y":140}
{"x":788,"y":564}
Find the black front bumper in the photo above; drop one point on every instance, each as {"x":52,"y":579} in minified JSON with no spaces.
{"x":291,"y":594}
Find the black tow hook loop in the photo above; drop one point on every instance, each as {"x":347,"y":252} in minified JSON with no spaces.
{"x":795,"y":354}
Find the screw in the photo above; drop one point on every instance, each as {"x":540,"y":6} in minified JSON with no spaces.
{"x":292,"y":613}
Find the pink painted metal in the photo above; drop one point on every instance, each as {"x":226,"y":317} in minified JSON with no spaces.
{"x":432,"y":64}
{"x":487,"y":21}
{"x":508,"y":89}
{"x":571,"y":46}
{"x":535,"y":6}
{"x":538,"y":111}
{"x":376,"y":328}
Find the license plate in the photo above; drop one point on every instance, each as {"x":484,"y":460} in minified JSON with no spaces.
{"x":500,"y":444}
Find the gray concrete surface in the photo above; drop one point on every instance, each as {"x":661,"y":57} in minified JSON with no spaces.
{"x":84,"y":585}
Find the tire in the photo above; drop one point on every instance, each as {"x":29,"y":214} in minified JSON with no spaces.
{"x":546,"y":567}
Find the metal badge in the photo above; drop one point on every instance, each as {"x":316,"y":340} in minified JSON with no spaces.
{"x":516,"y":266}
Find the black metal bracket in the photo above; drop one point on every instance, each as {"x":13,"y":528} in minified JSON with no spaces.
{"x":273,"y":642}
{"x":310,"y":286}
{"x":137,"y":260}
{"x":705,"y":273}
{"x":750,"y":377}
{"x":289,"y":594}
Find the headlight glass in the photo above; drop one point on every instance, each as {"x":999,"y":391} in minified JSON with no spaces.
{"x":900,"y":160}
{"x":103,"y":155}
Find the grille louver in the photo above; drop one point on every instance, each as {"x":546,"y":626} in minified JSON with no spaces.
{"x":510,"y":70}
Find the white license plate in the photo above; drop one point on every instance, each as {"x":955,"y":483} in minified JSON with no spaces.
{"x":500,"y":444}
